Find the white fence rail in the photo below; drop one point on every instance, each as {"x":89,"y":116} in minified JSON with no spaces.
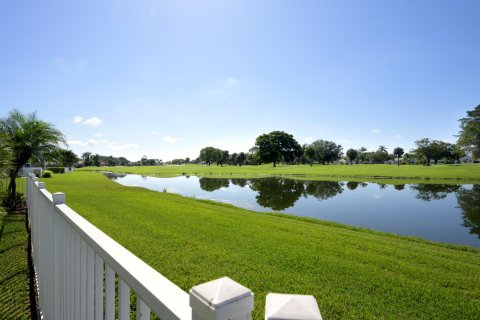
{"x":83,"y":274}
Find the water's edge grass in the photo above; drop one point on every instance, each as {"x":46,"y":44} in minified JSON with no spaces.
{"x":354,"y":273}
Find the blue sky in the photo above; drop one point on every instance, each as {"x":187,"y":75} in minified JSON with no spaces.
{"x":166,"y":78}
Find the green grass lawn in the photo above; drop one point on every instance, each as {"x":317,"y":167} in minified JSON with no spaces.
{"x":353,"y":273}
{"x":14,"y":275}
{"x":467,"y":173}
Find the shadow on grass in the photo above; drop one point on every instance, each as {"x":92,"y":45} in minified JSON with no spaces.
{"x":14,"y":270}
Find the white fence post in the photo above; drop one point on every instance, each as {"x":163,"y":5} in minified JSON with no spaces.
{"x":221,"y":299}
{"x":291,"y":307}
{"x":57,"y":197}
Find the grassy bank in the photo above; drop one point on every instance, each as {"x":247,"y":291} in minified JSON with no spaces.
{"x":14,"y":277}
{"x":468,"y":173}
{"x":353,"y":273}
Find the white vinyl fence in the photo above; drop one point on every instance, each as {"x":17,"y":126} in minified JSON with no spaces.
{"x":81,"y":273}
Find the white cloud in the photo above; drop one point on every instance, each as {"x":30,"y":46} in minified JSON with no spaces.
{"x":169,"y":139}
{"x":153,"y":133}
{"x":77,"y":119}
{"x":77,"y":143}
{"x":375,"y":131}
{"x":98,"y":134}
{"x":309,"y":139}
{"x":398,"y":136}
{"x":94,"y":121}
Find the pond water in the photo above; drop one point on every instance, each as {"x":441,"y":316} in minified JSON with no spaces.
{"x":439,"y":212}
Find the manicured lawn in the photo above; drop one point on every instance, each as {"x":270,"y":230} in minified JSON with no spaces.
{"x":14,"y":276}
{"x":353,"y":273}
{"x":435,"y":173}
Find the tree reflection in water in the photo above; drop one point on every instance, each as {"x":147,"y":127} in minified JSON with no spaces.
{"x":277,"y":193}
{"x":212,"y":184}
{"x":239,"y":182}
{"x":352,"y":185}
{"x":429,"y":192}
{"x":280,"y":194}
{"x":469,"y":204}
{"x":322,"y":190}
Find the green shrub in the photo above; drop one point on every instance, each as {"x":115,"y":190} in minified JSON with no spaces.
{"x":57,"y":169}
{"x":47,"y":174}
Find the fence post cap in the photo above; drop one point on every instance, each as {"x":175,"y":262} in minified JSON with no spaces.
{"x":292,"y":307}
{"x":58,"y":198}
{"x":221,"y":299}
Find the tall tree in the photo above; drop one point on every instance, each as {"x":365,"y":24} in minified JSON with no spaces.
{"x":455,"y":152}
{"x":240,"y":158}
{"x":362,"y":155}
{"x":96,"y":160}
{"x":424,"y":149}
{"x":326,"y":151}
{"x":211,"y":154}
{"x":67,"y":157}
{"x":469,"y":135}
{"x":398,"y":152}
{"x":87,"y":161}
{"x":309,"y":154}
{"x":276,"y":146}
{"x":29,"y":137}
{"x":225,"y":156}
{"x":439,"y":150}
{"x":352,"y":155}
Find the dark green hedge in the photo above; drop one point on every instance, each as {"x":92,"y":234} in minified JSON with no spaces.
{"x":57,"y":169}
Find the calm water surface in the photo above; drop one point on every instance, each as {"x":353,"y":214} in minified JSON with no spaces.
{"x":439,"y":212}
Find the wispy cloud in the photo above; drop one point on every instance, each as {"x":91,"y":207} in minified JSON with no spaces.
{"x":98,"y":134}
{"x":77,"y":119}
{"x":93,"y":121}
{"x":170,"y":140}
{"x":308,"y":139}
{"x":398,"y":136}
{"x":375,"y":131}
{"x":87,"y":143}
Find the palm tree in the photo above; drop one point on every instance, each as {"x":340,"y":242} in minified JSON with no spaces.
{"x":398,"y":152}
{"x":5,"y":155}
{"x":29,"y":137}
